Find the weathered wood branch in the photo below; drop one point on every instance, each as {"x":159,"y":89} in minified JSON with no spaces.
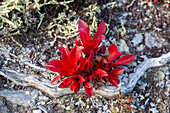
{"x":109,"y":91}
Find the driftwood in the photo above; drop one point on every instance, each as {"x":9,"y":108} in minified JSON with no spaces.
{"x":109,"y":91}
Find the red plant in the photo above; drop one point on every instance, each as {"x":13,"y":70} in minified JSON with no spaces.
{"x":150,"y":0}
{"x":84,"y":65}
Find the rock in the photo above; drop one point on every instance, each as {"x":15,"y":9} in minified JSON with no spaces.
{"x":137,"y":39}
{"x":34,"y":94}
{"x":146,"y":102}
{"x":18,"y":97}
{"x":140,"y":48}
{"x":152,"y":104}
{"x":43,"y":98}
{"x":42,"y":108}
{"x":143,"y":86}
{"x":160,"y":75}
{"x":154,"y":110}
{"x":105,"y":107}
{"x":152,"y":41}
{"x":37,"y":111}
{"x":123,"y":46}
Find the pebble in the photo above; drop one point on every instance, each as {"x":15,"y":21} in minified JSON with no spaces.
{"x":152,"y":41}
{"x":143,"y":86}
{"x":141,"y":97}
{"x":140,"y":48}
{"x":42,"y":108}
{"x":161,"y":75}
{"x":152,"y":104}
{"x":37,"y":111}
{"x":137,"y":39}
{"x":68,"y":108}
{"x":105,"y":107}
{"x":146,"y":102}
{"x":34,"y":94}
{"x":43,"y":98}
{"x":154,"y":110}
{"x":147,"y":94}
{"x":123,"y":46}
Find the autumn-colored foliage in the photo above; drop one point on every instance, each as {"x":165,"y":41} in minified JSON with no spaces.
{"x":87,"y":64}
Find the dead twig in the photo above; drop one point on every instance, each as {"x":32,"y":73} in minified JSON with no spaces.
{"x":128,"y":6}
{"x":108,"y":92}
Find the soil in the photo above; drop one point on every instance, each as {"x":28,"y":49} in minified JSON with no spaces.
{"x":147,"y":21}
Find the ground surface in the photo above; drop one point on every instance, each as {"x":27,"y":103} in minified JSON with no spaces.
{"x":146,"y":35}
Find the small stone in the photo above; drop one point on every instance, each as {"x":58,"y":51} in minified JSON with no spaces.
{"x":161,"y":75}
{"x":152,"y":104}
{"x":147,"y":94}
{"x":141,"y":97}
{"x":137,"y":39}
{"x":68,"y":108}
{"x":43,"y":98}
{"x":42,"y":108}
{"x":42,"y":102}
{"x":154,"y":110}
{"x":123,"y":46}
{"x":143,"y":107}
{"x":37,"y":111}
{"x":143,"y":86}
{"x":34,"y":94}
{"x":105,"y":107}
{"x":140,"y":48}
{"x":146,"y":102}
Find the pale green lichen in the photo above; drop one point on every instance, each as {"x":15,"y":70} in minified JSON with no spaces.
{"x":122,"y":30}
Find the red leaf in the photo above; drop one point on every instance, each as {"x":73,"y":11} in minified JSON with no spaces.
{"x":100,"y":73}
{"x":87,"y":84}
{"x":113,"y":82}
{"x":83,"y":62}
{"x":89,"y":65}
{"x":102,"y":49}
{"x":88,"y":88}
{"x":123,"y":60}
{"x":90,"y":77}
{"x":113,"y":53}
{"x":53,"y":69}
{"x":54,"y":65}
{"x":66,"y":61}
{"x":82,"y":26}
{"x":115,"y":78}
{"x":66,"y":83}
{"x":116,"y":72}
{"x":64,"y":73}
{"x":100,"y":31}
{"x":73,"y":85}
{"x":84,"y":36}
{"x":61,"y":49}
{"x":80,"y":78}
{"x":91,"y":45}
{"x":77,"y":41}
{"x":75,"y":55}
{"x":77,"y":88}
{"x":56,"y":79}
{"x":91,"y":56}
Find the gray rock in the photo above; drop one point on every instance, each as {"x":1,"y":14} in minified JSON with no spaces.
{"x":152,"y":41}
{"x":140,"y":48}
{"x":37,"y":111}
{"x":160,"y":75}
{"x":154,"y":110}
{"x":137,"y":39}
{"x":123,"y":46}
{"x":42,"y":108}
{"x":18,"y":97}
{"x":43,"y":98}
